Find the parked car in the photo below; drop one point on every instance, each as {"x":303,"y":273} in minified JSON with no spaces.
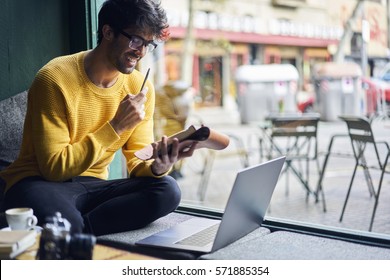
{"x":384,"y":81}
{"x":305,"y":102}
{"x":373,"y":88}
{"x":376,"y":90}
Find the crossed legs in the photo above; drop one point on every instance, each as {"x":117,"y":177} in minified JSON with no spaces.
{"x":98,"y":206}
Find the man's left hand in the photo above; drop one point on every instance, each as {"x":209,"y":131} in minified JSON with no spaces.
{"x":165,"y":156}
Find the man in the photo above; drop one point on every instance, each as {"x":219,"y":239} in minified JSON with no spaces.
{"x":82,"y":108}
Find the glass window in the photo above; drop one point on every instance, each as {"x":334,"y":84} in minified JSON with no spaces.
{"x":294,"y":48}
{"x":230,"y":34}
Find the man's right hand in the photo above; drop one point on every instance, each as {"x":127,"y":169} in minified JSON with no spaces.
{"x":131,"y":111}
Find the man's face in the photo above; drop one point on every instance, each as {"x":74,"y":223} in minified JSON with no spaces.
{"x":123,"y":56}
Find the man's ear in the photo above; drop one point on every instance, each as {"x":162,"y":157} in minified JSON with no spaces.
{"x":108,"y":33}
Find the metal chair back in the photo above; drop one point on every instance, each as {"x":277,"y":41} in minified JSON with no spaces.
{"x":361,"y":135}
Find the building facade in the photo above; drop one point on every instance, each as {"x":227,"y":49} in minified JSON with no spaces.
{"x":229,"y":33}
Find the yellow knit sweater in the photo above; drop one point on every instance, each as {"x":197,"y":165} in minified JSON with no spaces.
{"x":67,"y":131}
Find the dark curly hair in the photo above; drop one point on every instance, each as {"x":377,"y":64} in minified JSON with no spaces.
{"x":144,"y":14}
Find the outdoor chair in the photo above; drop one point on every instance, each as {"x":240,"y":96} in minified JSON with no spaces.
{"x":361,"y":136}
{"x":384,"y":170}
{"x":329,"y":152}
{"x":295,"y":136}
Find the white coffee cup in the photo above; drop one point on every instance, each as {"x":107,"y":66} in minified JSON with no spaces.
{"x":21,"y":218}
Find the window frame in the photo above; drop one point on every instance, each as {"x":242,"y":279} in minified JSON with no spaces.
{"x":279,"y":224}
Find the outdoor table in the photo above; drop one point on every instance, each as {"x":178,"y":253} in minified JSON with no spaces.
{"x":293,"y":135}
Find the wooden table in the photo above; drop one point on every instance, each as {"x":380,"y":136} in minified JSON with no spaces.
{"x":100,"y":252}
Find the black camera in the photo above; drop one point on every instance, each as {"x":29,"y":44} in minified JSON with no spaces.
{"x":57,"y":242}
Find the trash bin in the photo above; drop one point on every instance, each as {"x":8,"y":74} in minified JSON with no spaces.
{"x":265,"y":89}
{"x":338,"y":90}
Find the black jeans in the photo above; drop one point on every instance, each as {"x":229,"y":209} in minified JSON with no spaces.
{"x":98,"y":206}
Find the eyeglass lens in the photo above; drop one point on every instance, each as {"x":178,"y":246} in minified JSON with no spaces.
{"x":136,"y":42}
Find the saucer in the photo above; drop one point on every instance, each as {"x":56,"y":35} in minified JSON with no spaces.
{"x":36,"y":228}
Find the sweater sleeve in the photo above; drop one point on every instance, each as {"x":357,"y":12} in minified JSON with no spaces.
{"x":58,"y":158}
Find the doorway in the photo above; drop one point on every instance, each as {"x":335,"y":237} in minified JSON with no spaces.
{"x":210,"y":80}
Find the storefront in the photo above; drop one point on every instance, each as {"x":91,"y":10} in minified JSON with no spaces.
{"x":209,"y":78}
{"x":227,"y":39}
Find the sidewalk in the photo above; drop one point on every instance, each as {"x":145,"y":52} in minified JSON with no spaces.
{"x":290,"y":203}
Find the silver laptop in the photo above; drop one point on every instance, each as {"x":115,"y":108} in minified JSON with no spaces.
{"x":245,"y":210}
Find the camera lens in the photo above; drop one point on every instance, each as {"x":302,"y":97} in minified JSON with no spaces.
{"x":81,"y":246}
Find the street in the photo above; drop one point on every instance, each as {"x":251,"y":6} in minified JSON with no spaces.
{"x":289,"y":201}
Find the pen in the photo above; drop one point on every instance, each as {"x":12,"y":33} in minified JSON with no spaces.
{"x":146,"y":77}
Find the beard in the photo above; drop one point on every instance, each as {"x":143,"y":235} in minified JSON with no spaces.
{"x":127,"y":62}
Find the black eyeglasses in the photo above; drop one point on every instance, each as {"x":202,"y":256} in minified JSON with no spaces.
{"x":137,"y":41}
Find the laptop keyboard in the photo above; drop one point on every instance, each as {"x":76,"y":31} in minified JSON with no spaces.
{"x":201,"y":238}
